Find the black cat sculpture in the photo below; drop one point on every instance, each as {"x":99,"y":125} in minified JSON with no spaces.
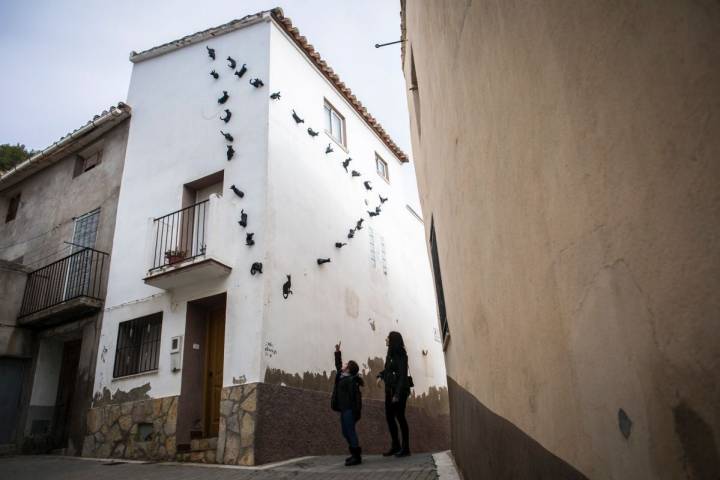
{"x":227,"y":136}
{"x":339,"y":245}
{"x":382,"y":200}
{"x":237,"y":191}
{"x":241,"y":72}
{"x":367,"y":185}
{"x":228,"y":114}
{"x":355,"y":173}
{"x":243,"y":219}
{"x":257,"y":83}
{"x":286,"y":287}
{"x":275,"y":96}
{"x":211,"y":52}
{"x":351,"y":233}
{"x":377,"y":210}
{"x":329,"y":149}
{"x":256,"y":268}
{"x":358,"y":225}
{"x":320,"y":261}
{"x":249,"y":240}
{"x":297,"y":118}
{"x":224,"y":97}
{"x":312,"y":132}
{"x":215,"y":75}
{"x":372,"y":214}
{"x":231,"y":63}
{"x":230,"y":152}
{"x":346,"y":163}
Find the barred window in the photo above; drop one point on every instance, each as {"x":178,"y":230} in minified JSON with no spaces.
{"x":138,"y":345}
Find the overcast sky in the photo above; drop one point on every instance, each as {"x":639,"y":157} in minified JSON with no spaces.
{"x":65,"y":61}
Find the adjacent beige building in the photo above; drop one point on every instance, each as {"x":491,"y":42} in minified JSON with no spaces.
{"x":56,"y":231}
{"x":568,"y":164}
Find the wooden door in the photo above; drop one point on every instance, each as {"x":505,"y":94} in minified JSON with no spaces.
{"x":65,"y":392}
{"x":214,"y":370}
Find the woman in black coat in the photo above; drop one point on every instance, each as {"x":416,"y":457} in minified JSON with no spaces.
{"x":397,"y":391}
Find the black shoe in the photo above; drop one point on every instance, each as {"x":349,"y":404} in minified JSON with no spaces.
{"x":356,"y":458}
{"x":393,"y":450}
{"x":405,"y":452}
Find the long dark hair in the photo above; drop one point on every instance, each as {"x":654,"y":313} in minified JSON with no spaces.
{"x":396,"y":345}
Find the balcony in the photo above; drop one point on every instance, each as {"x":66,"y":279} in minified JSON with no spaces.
{"x":186,"y":246}
{"x":69,"y":288}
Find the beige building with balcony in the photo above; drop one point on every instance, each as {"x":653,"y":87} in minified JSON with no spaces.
{"x":56,"y":228}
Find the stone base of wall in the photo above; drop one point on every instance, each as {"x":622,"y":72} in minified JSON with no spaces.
{"x":114,"y":430}
{"x":259,"y":423}
{"x":238,"y":410}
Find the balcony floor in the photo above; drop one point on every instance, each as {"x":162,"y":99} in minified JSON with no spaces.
{"x":71,"y":309}
{"x":187,"y":273}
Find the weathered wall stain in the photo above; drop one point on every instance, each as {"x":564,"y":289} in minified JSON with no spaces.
{"x":434,"y":402}
{"x":700,"y":452}
{"x":120,"y":396}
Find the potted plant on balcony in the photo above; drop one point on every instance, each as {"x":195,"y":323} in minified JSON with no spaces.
{"x":174,"y":256}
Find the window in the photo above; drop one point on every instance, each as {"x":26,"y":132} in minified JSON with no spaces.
{"x":13,"y":206}
{"x":377,"y":250}
{"x":415,"y":89}
{"x":79,"y":273}
{"x":87,"y":161}
{"x":138,"y":345}
{"x":86,"y":227}
{"x":382,"y":167}
{"x":334,"y":124}
{"x":439,"y":286}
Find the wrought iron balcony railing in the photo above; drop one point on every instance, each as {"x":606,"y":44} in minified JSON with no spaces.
{"x":180,"y":235}
{"x":80,"y":274}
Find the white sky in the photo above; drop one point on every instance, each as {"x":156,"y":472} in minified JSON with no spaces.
{"x":65,"y":61}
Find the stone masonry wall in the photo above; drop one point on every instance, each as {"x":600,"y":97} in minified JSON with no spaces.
{"x":236,"y":440}
{"x":113,"y":430}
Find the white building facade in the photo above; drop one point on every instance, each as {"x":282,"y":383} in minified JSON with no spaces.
{"x":201,"y":359}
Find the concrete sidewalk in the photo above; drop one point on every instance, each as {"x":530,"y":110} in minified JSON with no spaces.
{"x":40,"y":467}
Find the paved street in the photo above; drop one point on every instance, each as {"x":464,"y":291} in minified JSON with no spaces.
{"x":40,"y":467}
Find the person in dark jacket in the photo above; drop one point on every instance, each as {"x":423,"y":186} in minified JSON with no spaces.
{"x":347,"y":399}
{"x":397,"y":391}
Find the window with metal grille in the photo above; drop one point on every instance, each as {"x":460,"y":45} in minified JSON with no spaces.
{"x":440,"y":295}
{"x":138,"y":345}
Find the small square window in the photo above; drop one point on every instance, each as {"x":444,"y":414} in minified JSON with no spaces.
{"x":13,"y":206}
{"x":382,"y":167}
{"x":334,"y":124}
{"x":86,"y":162}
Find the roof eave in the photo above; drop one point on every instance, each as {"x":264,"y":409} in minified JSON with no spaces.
{"x":58,"y":150}
{"x":200,"y":36}
{"x":286,"y":25}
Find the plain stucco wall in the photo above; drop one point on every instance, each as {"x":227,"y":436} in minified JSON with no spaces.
{"x":312,"y":203}
{"x":175,"y":139}
{"x":568,"y":153}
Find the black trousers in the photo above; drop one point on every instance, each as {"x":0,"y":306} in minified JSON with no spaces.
{"x":395,"y":412}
